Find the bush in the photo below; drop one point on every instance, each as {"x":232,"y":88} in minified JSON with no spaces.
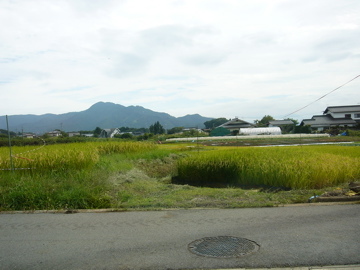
{"x":354,"y":132}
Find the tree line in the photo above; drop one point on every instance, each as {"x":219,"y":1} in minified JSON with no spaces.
{"x":157,"y":129}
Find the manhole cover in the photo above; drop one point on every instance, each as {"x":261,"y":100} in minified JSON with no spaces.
{"x":223,"y":247}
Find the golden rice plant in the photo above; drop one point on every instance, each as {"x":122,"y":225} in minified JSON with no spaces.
{"x":67,"y":156}
{"x":115,"y":147}
{"x":58,"y":157}
{"x":293,"y":167}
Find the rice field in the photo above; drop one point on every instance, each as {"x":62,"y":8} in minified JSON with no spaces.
{"x":142,"y":175}
{"x":67,"y":176}
{"x":302,"y":167}
{"x":66,"y":156}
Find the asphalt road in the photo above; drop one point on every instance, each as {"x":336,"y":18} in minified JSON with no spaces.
{"x":288,"y":236}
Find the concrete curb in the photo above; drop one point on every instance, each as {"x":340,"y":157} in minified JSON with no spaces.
{"x":331,"y":267}
{"x":114,"y":210}
{"x":337,"y":199}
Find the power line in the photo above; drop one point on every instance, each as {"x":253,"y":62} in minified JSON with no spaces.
{"x":323,"y":96}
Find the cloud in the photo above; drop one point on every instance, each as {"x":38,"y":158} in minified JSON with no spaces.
{"x":218,"y":58}
{"x":127,"y":64}
{"x":165,"y":37}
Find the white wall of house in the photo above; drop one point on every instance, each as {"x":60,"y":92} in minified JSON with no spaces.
{"x":72,"y":134}
{"x":353,"y":115}
{"x":356,"y":116}
{"x":54,"y":133}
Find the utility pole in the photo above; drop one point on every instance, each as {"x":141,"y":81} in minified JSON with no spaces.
{"x":197,"y":138}
{"x":11,"y":160}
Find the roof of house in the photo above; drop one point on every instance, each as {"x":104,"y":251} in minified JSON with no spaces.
{"x":327,"y":120}
{"x":281,"y":122}
{"x":109,"y":132}
{"x":340,"y":109}
{"x":236,"y":123}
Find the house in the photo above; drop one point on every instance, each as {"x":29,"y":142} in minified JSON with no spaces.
{"x":193,"y":129}
{"x":279,"y":123}
{"x":73,"y":134}
{"x":109,"y":133}
{"x":87,"y":135}
{"x":334,"y":116}
{"x":235,"y":124}
{"x":54,"y":133}
{"x":28,"y":136}
{"x":230,"y":127}
{"x":286,"y":126}
{"x":347,"y":112}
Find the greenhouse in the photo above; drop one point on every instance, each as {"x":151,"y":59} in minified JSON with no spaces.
{"x":260,"y":131}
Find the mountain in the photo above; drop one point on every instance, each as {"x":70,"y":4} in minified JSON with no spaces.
{"x":103,"y":115}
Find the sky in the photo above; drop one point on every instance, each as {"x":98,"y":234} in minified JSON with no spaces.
{"x":217,"y":58}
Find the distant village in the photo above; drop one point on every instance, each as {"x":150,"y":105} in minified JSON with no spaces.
{"x":333,"y":117}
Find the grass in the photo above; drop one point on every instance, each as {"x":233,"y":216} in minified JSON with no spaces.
{"x":154,"y":195}
{"x":137,"y":175}
{"x":53,"y":191}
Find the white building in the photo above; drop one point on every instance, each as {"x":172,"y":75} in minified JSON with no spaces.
{"x":260,"y":131}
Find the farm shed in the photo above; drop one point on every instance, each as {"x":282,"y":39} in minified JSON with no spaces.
{"x":260,"y":131}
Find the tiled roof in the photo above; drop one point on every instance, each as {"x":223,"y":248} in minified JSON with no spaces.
{"x":236,"y":124}
{"x":340,"y":109}
{"x":281,"y":122}
{"x":327,"y":120}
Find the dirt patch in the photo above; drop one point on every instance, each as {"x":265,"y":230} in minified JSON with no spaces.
{"x":350,"y":193}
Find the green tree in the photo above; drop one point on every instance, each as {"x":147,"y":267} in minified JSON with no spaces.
{"x":97,"y":132}
{"x":191,"y":133}
{"x":290,"y":128}
{"x":144,"y":137}
{"x":175,"y":130}
{"x":302,"y":129}
{"x":126,"y":136}
{"x":157,"y":128}
{"x":5,"y":133}
{"x":264,"y":122}
{"x":296,"y":122}
{"x":64,"y":134}
{"x":211,"y":124}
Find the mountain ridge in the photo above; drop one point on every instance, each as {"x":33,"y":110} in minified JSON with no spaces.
{"x":100,"y":114}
